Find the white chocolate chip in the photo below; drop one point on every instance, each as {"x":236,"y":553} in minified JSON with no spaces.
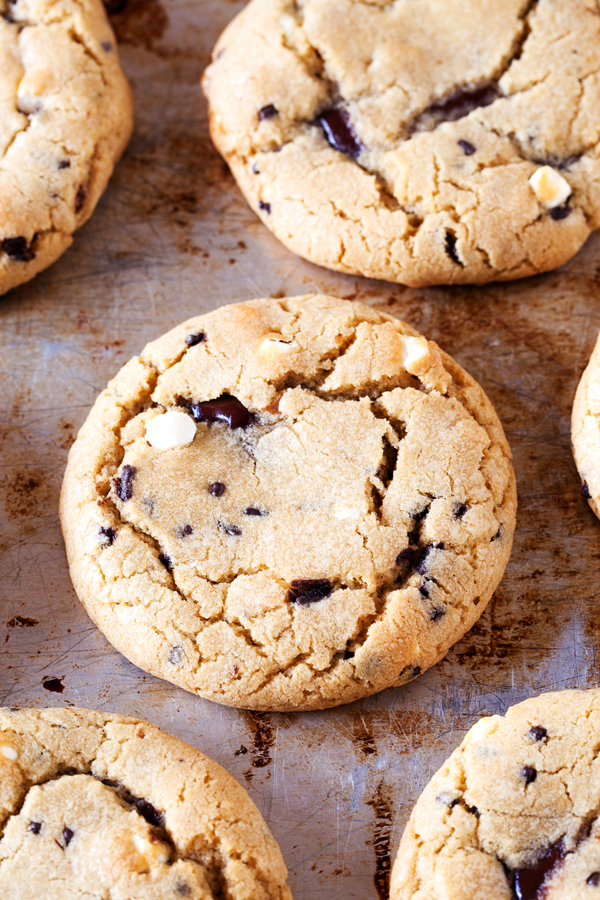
{"x":8,"y":752}
{"x":486,"y":726}
{"x":415,"y":349}
{"x":347,"y":512}
{"x":550,"y":187}
{"x":171,"y":429}
{"x":272,"y":348}
{"x":150,"y":853}
{"x":29,"y":105}
{"x":288,"y":25}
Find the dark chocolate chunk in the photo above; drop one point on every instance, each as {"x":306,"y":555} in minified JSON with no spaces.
{"x":232,"y":530}
{"x":18,"y":249}
{"x":406,"y":556}
{"x":560,"y":212}
{"x":348,"y":654}
{"x":217,"y":489}
{"x":593,"y":880}
{"x":193,"y":339}
{"x":110,"y":535}
{"x":166,"y":561}
{"x":309,"y":590}
{"x":264,"y":206}
{"x":338,"y":131}
{"x":80,"y":197}
{"x":252,"y":511}
{"x":34,"y":827}
{"x":125,"y":483}
{"x":585,"y":491}
{"x":183,"y":889}
{"x":176,"y":654}
{"x":64,"y":164}
{"x":149,"y":813}
{"x":268,"y":112}
{"x":106,"y":46}
{"x":463,"y":102}
{"x":68,"y":835}
{"x":459,"y":510}
{"x":527,"y":882}
{"x":538,"y":733}
{"x":437,"y":613}
{"x":419,"y":516}
{"x":467,"y":147}
{"x":424,"y":589}
{"x":529,"y":774}
{"x":422,"y":561}
{"x":498,"y":534}
{"x":226,"y":409}
{"x":184,"y":531}
{"x":451,"y":248}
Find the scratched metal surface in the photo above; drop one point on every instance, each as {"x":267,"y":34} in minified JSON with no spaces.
{"x":173,"y":238}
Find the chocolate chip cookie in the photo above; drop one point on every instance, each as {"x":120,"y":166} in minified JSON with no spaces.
{"x":65,"y":118}
{"x":585,"y":430}
{"x":444,"y":141}
{"x":288,"y":504}
{"x":513,"y":814}
{"x":99,"y":805}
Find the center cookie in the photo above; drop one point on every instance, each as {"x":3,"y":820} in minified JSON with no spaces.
{"x":444,"y":141}
{"x":289,"y":504}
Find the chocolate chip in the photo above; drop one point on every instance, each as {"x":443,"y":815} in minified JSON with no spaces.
{"x":18,"y":248}
{"x":193,"y":339}
{"x":226,"y":409}
{"x":437,"y":613}
{"x":80,"y":198}
{"x":451,"y":248}
{"x":185,"y":531}
{"x":267,"y":112}
{"x":406,"y":556}
{"x":422,"y":561}
{"x":176,"y":655}
{"x":149,"y":813}
{"x":309,"y":590}
{"x":264,"y":206}
{"x":538,"y":733}
{"x":125,"y":483}
{"x":424,"y":589}
{"x":349,"y":654}
{"x":183,"y":889}
{"x":34,"y":827}
{"x":338,"y":131}
{"x":593,"y":880}
{"x":232,"y":530}
{"x":64,"y":164}
{"x":498,"y":534}
{"x":527,"y":882}
{"x":560,"y":212}
{"x":463,"y":102}
{"x":68,"y":835}
{"x":529,"y":774}
{"x":109,"y":534}
{"x":585,"y":491}
{"x":217,"y":489}
{"x":106,"y":46}
{"x":459,"y":510}
{"x":252,"y":511}
{"x":166,"y":561}
{"x":467,"y":147}
{"x":419,"y":516}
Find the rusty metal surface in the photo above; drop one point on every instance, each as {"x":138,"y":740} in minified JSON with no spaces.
{"x":172,"y":238}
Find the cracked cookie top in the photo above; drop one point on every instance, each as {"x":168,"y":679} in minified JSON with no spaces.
{"x":513,"y":814}
{"x":288,"y":504}
{"x":585,"y":430}
{"x":65,"y":118}
{"x":435,"y":142}
{"x":93,"y":804}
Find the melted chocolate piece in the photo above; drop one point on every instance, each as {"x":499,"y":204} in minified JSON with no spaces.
{"x":18,"y":249}
{"x":68,"y":835}
{"x":459,"y":510}
{"x":109,"y":534}
{"x":267,"y":112}
{"x":451,"y":248}
{"x":585,"y":491}
{"x":437,"y":613}
{"x":264,"y":206}
{"x":468,"y":147}
{"x":183,"y":889}
{"x":309,"y":590}
{"x":538,"y":733}
{"x":593,"y":880}
{"x":529,"y":774}
{"x":183,"y":532}
{"x":64,"y":164}
{"x":463,"y":102}
{"x":226,"y":409}
{"x":192,"y":339}
{"x":338,"y":131}
{"x":125,"y":483}
{"x":406,"y":556}
{"x":424,"y":590}
{"x":498,"y":534}
{"x":527,"y":883}
{"x":34,"y":827}
{"x":166,"y":561}
{"x":560,"y":212}
{"x":149,"y":813}
{"x":232,"y":530}
{"x":422,"y":561}
{"x":252,"y":511}
{"x":419,"y":516}
{"x":80,"y":197}
{"x":217,"y":489}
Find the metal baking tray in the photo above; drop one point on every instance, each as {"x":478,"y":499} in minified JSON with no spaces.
{"x":173,"y":238}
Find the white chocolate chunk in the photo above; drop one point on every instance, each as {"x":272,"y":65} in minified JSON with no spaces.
{"x":272,"y":348}
{"x":8,"y":752}
{"x":482,"y":729}
{"x":550,"y":187}
{"x":415,"y":349}
{"x":170,"y":430}
{"x":288,"y":25}
{"x":150,"y":853}
{"x":29,"y":105}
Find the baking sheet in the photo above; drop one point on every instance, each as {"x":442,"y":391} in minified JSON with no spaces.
{"x":173,"y":238}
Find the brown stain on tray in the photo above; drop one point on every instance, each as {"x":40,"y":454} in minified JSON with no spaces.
{"x":263,"y":741}
{"x":138,"y":22}
{"x":382,"y":806}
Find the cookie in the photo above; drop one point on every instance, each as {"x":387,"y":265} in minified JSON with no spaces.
{"x":102,"y":805}
{"x":513,"y":813}
{"x":585,"y":430}
{"x":445,"y":141}
{"x":66,"y":115}
{"x":288,"y":504}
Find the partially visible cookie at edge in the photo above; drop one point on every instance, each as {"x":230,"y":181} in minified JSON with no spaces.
{"x":66,"y":114}
{"x":288,"y":504}
{"x":424,"y":143}
{"x":94,"y":804}
{"x":513,"y":812}
{"x":585,"y":430}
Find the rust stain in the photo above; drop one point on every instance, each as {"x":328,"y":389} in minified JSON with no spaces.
{"x":381,"y":804}
{"x":263,"y":741}
{"x":141,"y":23}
